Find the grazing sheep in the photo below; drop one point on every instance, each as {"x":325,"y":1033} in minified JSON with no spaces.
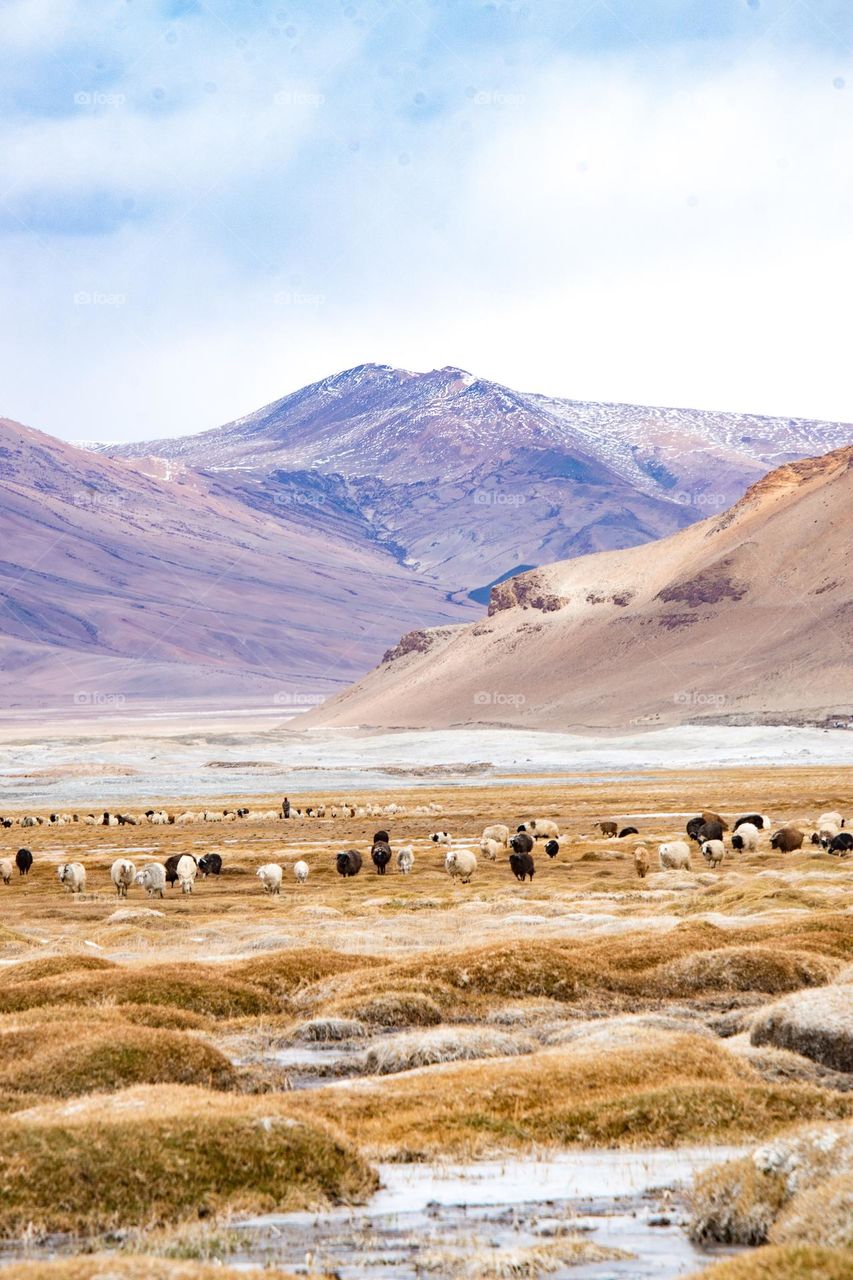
{"x":674,"y":856}
{"x":125,"y":820}
{"x":641,"y":861}
{"x":713,"y":851}
{"x":7,"y":822}
{"x":6,"y":870}
{"x":153,"y":879}
{"x":348,"y":863}
{"x":522,"y":865}
{"x":90,"y":820}
{"x":541,"y":828}
{"x":381,"y":856}
{"x":209,"y":815}
{"x":787,"y":839}
{"x":708,"y":815}
{"x":29,"y":822}
{"x":704,"y":831}
{"x":381,"y":837}
{"x":187,"y":869}
{"x":552,"y":848}
{"x":757,"y":820}
{"x":826,"y":834}
{"x":210,"y":864}
{"x":521,"y":842}
{"x":460,"y":864}
{"x":333,"y":811}
{"x":607,"y":828}
{"x":405,"y":860}
{"x":841,"y":844}
{"x":23,"y":861}
{"x":628,"y":831}
{"x":171,"y":867}
{"x":498,"y":833}
{"x":122,"y":873}
{"x":440,"y":837}
{"x":490,"y":849}
{"x":270,"y":877}
{"x":835,"y":817}
{"x":300,"y":870}
{"x":746,"y":837}
{"x":72,"y":875}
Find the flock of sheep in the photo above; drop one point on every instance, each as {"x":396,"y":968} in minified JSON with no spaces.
{"x":707,"y":830}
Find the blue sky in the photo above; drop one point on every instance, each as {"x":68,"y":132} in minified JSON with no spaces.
{"x":205,"y":204}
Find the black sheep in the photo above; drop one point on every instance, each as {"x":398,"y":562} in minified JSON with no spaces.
{"x":704,"y":831}
{"x":381,"y":855}
{"x":381,"y":837}
{"x":693,"y":827}
{"x":210,"y":865}
{"x":552,"y":848}
{"x":756,"y":819}
{"x":521,"y":843}
{"x":842,"y":843}
{"x":628,"y":831}
{"x":23,"y":861}
{"x":348,"y":863}
{"x":522,"y":865}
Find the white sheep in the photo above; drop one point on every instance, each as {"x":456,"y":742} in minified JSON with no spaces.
{"x":460,"y":864}
{"x":828,"y":818}
{"x":490,"y":849}
{"x":184,"y":818}
{"x":300,"y":870}
{"x":212,"y":815}
{"x":542,"y":829}
{"x":72,"y":875}
{"x":333,"y":811}
{"x":159,"y":818}
{"x":827,"y":831}
{"x":405,"y":859}
{"x":747,"y":837}
{"x":186,"y":871}
{"x":498,"y":833}
{"x":6,"y":870}
{"x":440,"y":837}
{"x":270,"y":877}
{"x":713,"y":851}
{"x":90,"y":819}
{"x":674,"y":856}
{"x":122,"y":873}
{"x":321,"y":811}
{"x":29,"y":821}
{"x":153,"y":879}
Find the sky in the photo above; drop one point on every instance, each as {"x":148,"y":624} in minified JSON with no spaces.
{"x":206,"y":204}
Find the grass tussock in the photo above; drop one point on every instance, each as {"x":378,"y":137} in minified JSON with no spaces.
{"x":204,"y":991}
{"x":391,"y":1009}
{"x":738,"y":1202}
{"x":51,"y":966}
{"x":819,"y":1215}
{"x":286,"y":972}
{"x":526,"y":1260}
{"x":675,"y":1089}
{"x":796,"y":1262}
{"x":163,"y":1154}
{"x":92,"y":1058}
{"x":737,"y":969}
{"x":112,"y":1267}
{"x":818,"y":1025}
{"x":441,"y":1044}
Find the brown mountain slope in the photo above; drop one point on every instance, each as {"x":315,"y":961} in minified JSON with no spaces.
{"x":119,"y":585}
{"x":747,"y":616}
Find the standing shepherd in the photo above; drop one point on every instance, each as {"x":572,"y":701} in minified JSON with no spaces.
{"x":285,"y":808}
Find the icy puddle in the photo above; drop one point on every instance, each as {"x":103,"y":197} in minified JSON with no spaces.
{"x":460,"y":1220}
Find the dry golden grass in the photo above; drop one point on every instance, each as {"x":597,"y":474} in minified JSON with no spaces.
{"x":523,"y":1261}
{"x":159,"y":1154}
{"x":200,"y":991}
{"x":675,"y":1089}
{"x":819,"y":1215}
{"x":788,"y":1262}
{"x":112,"y":1267}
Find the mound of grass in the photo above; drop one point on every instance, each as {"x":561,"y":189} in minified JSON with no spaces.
{"x":205,"y":991}
{"x":819,"y":1215}
{"x":737,"y":1202}
{"x":109,"y":1267}
{"x":817,"y":1024}
{"x":797,"y":1262}
{"x":391,"y":1009}
{"x":525,"y":1260}
{"x":163,"y":1154}
{"x":91,"y":1058}
{"x":329,"y":1029}
{"x":536,"y":969}
{"x":285,"y":972}
{"x":441,"y":1044}
{"x":676,"y":1089}
{"x":50,"y":966}
{"x":754,"y":968}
